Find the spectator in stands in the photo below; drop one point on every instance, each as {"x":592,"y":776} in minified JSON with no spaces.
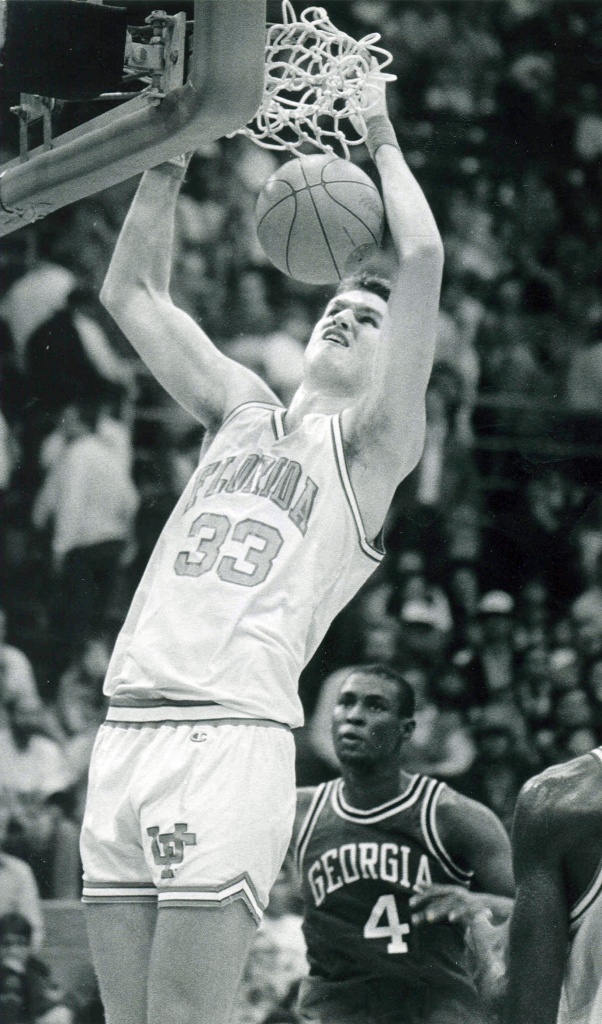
{"x":584,"y":377}
{"x":411,"y":583}
{"x":574,"y":718}
{"x":80,"y":709}
{"x":594,"y":689}
{"x":424,"y":636}
{"x":28,"y":994}
{"x":459,"y":318}
{"x":586,"y":618}
{"x":561,"y":631}
{"x":533,"y":615}
{"x":439,"y":745}
{"x":565,"y":669}
{"x":30,"y":761}
{"x":7,"y":454}
{"x":31,"y":300}
{"x":572,"y":710}
{"x":18,"y":888}
{"x":537,"y":539}
{"x":17,"y":680}
{"x":499,"y":770}
{"x":45,"y":838}
{"x":110,"y":426}
{"x":533,"y":690}
{"x":450,"y":689}
{"x":69,"y":357}
{"x":444,"y":479}
{"x":508,"y":365}
{"x":80,"y":704}
{"x":463,"y":590}
{"x":382,"y":642}
{"x":89,"y":500}
{"x":590,"y":600}
{"x":576,"y":742}
{"x":489,"y":668}
{"x":7,"y":459}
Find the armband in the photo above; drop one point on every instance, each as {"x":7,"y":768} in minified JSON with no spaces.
{"x":380,"y":133}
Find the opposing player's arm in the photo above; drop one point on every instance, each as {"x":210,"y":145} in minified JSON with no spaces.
{"x":539,"y":924}
{"x":388,"y":423}
{"x":136,"y":293}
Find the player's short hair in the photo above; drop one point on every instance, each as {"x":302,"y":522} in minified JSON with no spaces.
{"x":405,"y":692}
{"x":366,"y":282}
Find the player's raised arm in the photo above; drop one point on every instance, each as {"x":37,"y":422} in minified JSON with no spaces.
{"x":136,"y":293}
{"x":388,"y":423}
{"x":535,"y":973}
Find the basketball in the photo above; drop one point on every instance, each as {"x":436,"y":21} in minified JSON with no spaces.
{"x":318,"y":217}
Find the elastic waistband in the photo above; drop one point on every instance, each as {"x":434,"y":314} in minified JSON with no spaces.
{"x":125,"y":712}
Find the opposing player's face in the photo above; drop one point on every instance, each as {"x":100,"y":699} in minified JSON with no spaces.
{"x":367,"y":726}
{"x":343,"y":342}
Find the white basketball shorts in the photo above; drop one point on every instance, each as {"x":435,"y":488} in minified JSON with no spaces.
{"x":189,"y":814}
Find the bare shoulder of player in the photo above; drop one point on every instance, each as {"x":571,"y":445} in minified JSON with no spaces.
{"x":458,"y":813}
{"x":555,"y":805}
{"x":475,"y":838}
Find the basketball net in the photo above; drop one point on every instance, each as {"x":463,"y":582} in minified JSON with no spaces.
{"x":314,"y":80}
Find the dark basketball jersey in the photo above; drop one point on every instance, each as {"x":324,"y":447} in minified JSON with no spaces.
{"x":359,"y":869}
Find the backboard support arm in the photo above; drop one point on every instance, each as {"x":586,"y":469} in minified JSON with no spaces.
{"x":223,"y":91}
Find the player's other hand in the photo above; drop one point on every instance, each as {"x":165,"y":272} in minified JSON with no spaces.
{"x":451,"y":904}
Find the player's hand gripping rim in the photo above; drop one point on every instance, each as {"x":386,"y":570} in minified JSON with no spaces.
{"x":374,"y":98}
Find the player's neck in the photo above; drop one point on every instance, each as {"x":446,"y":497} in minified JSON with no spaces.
{"x":365,"y":788}
{"x":308,"y":399}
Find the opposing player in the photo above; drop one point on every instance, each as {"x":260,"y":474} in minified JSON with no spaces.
{"x":555,"y":960}
{"x":192,"y":792}
{"x":392,"y":867}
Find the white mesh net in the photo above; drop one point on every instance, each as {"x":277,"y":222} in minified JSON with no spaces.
{"x":314,"y":80}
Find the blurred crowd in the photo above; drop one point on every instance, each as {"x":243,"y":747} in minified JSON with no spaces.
{"x":490,"y":596}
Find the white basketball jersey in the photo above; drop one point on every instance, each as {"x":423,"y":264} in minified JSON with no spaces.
{"x":581,"y":997}
{"x":263,"y":549}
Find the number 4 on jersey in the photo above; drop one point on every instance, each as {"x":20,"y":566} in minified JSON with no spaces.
{"x":386,"y":907}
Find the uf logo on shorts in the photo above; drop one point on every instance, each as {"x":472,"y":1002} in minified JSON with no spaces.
{"x":168,"y":847}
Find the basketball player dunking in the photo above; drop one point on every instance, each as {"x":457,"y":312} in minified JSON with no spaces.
{"x":192,"y":791}
{"x":392,"y":867}
{"x":555,"y":961}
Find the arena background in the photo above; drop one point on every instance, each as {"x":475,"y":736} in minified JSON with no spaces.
{"x":490,"y":596}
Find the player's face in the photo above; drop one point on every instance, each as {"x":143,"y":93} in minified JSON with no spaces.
{"x":367,"y":726}
{"x":341,"y":349}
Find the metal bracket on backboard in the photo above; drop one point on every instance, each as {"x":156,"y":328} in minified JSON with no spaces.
{"x":158,"y":51}
{"x":32,"y":108}
{"x":153,"y":55}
